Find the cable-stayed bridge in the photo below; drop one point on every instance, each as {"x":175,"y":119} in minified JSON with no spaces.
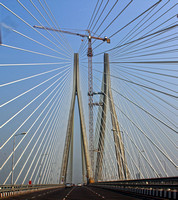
{"x":47,"y":106}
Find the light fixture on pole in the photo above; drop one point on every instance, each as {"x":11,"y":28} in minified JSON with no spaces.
{"x":12,"y":174}
{"x":139,"y":163}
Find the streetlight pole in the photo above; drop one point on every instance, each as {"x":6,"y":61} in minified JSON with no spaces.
{"x":51,"y":177}
{"x":12,"y":174}
{"x":139,"y":167}
{"x":44,"y":154}
{"x":139,"y":164}
{"x":164,"y":166}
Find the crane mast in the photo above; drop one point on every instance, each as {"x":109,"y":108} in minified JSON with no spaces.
{"x":90,"y":101}
{"x":90,"y":82}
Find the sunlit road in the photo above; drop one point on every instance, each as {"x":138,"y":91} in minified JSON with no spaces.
{"x":74,"y":193}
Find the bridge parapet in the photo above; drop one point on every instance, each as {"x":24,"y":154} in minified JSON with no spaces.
{"x":160,"y":187}
{"x":10,"y":190}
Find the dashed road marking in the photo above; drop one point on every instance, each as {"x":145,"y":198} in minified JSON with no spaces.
{"x":95,"y":193}
{"x":68,"y":193}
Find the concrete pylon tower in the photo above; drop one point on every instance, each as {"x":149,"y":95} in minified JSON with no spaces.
{"x":70,"y":127}
{"x":123,"y":172}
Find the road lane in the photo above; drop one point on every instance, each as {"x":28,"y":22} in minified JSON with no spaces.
{"x":49,"y":194}
{"x":109,"y":194}
{"x":76,"y":193}
{"x":81,"y":193}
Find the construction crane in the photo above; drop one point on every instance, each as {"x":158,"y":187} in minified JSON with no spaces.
{"x":72,"y":33}
{"x":90,"y":81}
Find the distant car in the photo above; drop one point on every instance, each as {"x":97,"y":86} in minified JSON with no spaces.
{"x":79,"y":184}
{"x":68,"y":185}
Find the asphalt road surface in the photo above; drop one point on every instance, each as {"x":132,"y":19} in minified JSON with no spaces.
{"x":75,"y":193}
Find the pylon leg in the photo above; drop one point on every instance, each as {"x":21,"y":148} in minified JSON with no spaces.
{"x":82,"y":123}
{"x":100,"y":150}
{"x":123,"y":171}
{"x":67,"y":142}
{"x":69,"y":134}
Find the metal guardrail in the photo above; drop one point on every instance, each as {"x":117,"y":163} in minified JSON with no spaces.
{"x":9,"y":190}
{"x":160,"y":187}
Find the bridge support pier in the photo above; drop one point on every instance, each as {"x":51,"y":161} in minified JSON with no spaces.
{"x":100,"y":149}
{"x":123,"y":172}
{"x":69,"y":134}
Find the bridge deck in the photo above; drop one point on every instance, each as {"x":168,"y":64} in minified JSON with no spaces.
{"x":79,"y":193}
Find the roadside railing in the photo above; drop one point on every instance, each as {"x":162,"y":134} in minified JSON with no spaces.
{"x":159,"y":187}
{"x":10,"y":190}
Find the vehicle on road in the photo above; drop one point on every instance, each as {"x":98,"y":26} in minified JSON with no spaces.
{"x":68,"y":185}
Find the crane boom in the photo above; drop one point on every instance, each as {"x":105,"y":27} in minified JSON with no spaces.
{"x":72,"y":33}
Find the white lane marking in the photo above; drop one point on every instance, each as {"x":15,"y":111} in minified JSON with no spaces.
{"x":68,"y":193}
{"x":33,"y":197}
{"x":95,"y":193}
